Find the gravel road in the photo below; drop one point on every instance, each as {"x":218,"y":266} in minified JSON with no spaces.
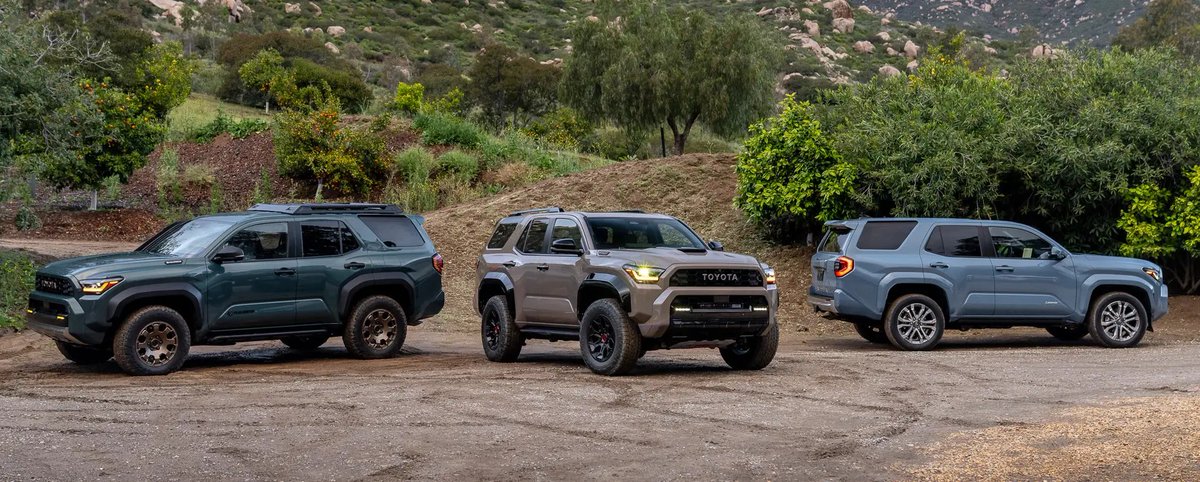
{"x":831,"y":407}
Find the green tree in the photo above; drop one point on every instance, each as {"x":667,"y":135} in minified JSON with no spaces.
{"x":409,"y":97}
{"x":1159,"y":25}
{"x":1165,"y":225}
{"x":790,"y":177}
{"x":511,"y":88}
{"x":265,"y":71}
{"x":641,"y":64}
{"x":314,"y":144}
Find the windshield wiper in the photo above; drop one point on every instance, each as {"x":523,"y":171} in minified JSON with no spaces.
{"x":693,"y":250}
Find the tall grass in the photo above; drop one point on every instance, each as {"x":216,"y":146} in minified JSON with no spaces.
{"x":16,"y":273}
{"x":199,"y":110}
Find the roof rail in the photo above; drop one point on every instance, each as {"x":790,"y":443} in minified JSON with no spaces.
{"x":551,"y":209}
{"x":324,"y":208}
{"x":634,"y":211}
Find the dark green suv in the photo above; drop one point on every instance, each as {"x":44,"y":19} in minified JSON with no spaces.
{"x":298,"y":273}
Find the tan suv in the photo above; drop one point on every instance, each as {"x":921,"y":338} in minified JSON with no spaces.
{"x":621,"y":283}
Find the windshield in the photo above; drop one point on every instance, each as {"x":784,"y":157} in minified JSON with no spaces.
{"x":187,"y":239}
{"x":642,"y":233}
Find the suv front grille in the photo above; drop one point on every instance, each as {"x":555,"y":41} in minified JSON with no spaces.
{"x":717,"y":277}
{"x":53,"y":284}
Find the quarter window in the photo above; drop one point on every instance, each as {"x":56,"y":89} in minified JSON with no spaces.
{"x":885,"y":235}
{"x":1018,"y":243}
{"x":349,"y":240}
{"x":264,"y":241}
{"x":394,"y":231}
{"x":960,"y":241}
{"x":501,"y":235}
{"x":832,"y":242}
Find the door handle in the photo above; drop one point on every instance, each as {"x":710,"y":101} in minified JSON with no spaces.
{"x":543,"y":267}
{"x":285,"y":272}
{"x":509,"y":264}
{"x":354,"y":265}
{"x":940,"y":265}
{"x":1004,"y":269}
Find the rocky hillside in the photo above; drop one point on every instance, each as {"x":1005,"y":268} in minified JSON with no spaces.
{"x":1080,"y":22}
{"x":830,"y":42}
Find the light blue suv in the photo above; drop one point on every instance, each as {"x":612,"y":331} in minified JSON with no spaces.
{"x":907,"y":280}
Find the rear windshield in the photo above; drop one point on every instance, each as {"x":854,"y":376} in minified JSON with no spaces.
{"x":504,"y":230}
{"x":885,"y":235}
{"x":832,"y":242}
{"x":394,"y":231}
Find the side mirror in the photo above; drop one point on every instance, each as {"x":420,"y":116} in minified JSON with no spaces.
{"x":228,"y":254}
{"x":565,"y":246}
{"x":715,"y":245}
{"x":1057,"y":254}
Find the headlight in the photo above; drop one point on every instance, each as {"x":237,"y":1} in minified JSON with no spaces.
{"x":770,"y":275}
{"x":1153,"y":273}
{"x":644,"y":274}
{"x":99,"y":286}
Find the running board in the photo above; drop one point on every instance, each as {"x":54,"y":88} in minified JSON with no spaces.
{"x":552,"y":333}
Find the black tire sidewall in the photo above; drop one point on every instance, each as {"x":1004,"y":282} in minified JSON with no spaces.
{"x":892,"y":329}
{"x":304,"y":342}
{"x":84,"y":355}
{"x":125,"y":341}
{"x":760,"y":354}
{"x":352,"y":335}
{"x":508,"y":342}
{"x":1095,"y":318}
{"x":871,"y":331}
{"x":626,"y":338}
{"x":1073,"y":333}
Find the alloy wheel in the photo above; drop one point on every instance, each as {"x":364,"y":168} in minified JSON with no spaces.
{"x":379,"y":329}
{"x":601,"y":342}
{"x":916,"y":323}
{"x":491,"y":329}
{"x":1120,"y":321}
{"x":157,"y":343}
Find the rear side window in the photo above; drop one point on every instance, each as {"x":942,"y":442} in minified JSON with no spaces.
{"x":885,"y":235}
{"x":326,"y":238}
{"x":394,"y":231}
{"x":962,"y":241}
{"x":832,"y":242}
{"x":534,"y":239}
{"x":501,"y":235}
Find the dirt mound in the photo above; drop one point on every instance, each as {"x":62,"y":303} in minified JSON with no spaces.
{"x":127,"y":225}
{"x":697,"y":188}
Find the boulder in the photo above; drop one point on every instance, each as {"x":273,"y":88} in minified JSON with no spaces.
{"x":335,"y":31}
{"x":293,"y":8}
{"x":911,"y":49}
{"x":912,"y":66}
{"x":171,"y":9}
{"x":843,"y":25}
{"x":840,"y":9}
{"x":864,"y":47}
{"x":892,"y":51}
{"x":884,"y":36}
{"x":813,"y":29}
{"x":888,"y":71}
{"x":332,"y":48}
{"x":315,"y":7}
{"x":1044,"y":52}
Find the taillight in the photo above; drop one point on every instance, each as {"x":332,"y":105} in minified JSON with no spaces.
{"x":438,"y":262}
{"x":844,"y":266}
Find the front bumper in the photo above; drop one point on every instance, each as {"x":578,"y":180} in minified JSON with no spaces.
{"x":66,"y":318}
{"x":652,"y":310}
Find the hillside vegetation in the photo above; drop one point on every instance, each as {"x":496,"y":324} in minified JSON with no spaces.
{"x":1079,"y":22}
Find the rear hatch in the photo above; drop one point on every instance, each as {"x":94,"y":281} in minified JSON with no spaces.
{"x":824,"y":261}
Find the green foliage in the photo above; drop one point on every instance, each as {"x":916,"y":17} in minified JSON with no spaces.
{"x":263,"y":190}
{"x":236,"y":128}
{"x":511,"y":88}
{"x":439,"y":128}
{"x":164,"y":79}
{"x":642,"y":64}
{"x":216,"y":198}
{"x":316,"y":145}
{"x":265,"y":72}
{"x":17,"y":270}
{"x":1161,"y":25}
{"x":450,"y":103}
{"x":409,"y":98}
{"x":459,"y":165}
{"x":1164,"y":224}
{"x":415,"y":164}
{"x":167,"y":183}
{"x":564,"y":127}
{"x":790,"y":177}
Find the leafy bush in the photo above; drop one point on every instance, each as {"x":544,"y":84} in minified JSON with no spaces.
{"x":1165,"y":225}
{"x":415,"y":164}
{"x":564,"y":127}
{"x":222,"y":124}
{"x":17,"y":271}
{"x":790,"y":178}
{"x":263,"y":190}
{"x":170,"y":190}
{"x":450,"y":103}
{"x":315,"y":145}
{"x":459,"y":165}
{"x":439,"y":128}
{"x":409,"y":98}
{"x":199,"y":175}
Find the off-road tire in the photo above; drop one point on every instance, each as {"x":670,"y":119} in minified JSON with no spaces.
{"x":1068,"y":333}
{"x":752,"y":354}
{"x":304,"y":342}
{"x":84,"y":355}
{"x":871,"y":331}
{"x":1115,"y":300}
{"x":376,"y":328}
{"x":500,"y":336}
{"x":616,"y":336}
{"x":147,"y":331}
{"x":914,"y":310}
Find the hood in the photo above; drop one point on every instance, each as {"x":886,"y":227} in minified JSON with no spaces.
{"x":102,"y":265}
{"x":1133,"y":264}
{"x":667,"y":257}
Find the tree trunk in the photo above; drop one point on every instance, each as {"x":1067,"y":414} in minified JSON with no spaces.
{"x":268,"y":104}
{"x":320,"y":184}
{"x":679,"y":135}
{"x":95,"y":200}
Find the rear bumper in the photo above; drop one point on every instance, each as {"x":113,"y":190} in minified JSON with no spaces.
{"x":841,"y":305}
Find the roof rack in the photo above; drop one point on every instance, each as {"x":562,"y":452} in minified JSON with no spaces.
{"x":551,"y":209}
{"x":634,"y":211}
{"x":325,"y":208}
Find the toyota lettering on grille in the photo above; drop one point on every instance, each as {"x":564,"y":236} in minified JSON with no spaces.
{"x":719,"y":277}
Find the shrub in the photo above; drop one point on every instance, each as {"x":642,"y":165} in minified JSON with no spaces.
{"x":790,"y":178}
{"x":415,"y":164}
{"x":199,"y":175}
{"x":459,"y":165}
{"x":408,"y":98}
{"x":450,"y":103}
{"x":564,"y":127}
{"x":222,"y":124}
{"x":1165,"y":225}
{"x":17,"y":271}
{"x":216,"y":198}
{"x":263,"y":190}
{"x":315,"y":145}
{"x":170,"y":190}
{"x":439,"y":128}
